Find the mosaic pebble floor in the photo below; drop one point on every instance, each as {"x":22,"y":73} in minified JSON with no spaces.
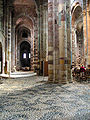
{"x":33,"y":98}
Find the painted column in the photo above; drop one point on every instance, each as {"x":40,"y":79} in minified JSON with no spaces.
{"x":53,"y":43}
{"x":50,"y":40}
{"x":64,"y":41}
{"x":68,"y":45}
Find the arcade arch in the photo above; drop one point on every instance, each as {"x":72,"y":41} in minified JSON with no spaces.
{"x":77,"y":36}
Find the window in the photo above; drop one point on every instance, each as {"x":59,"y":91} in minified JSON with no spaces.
{"x":24,"y":55}
{"x":29,"y":55}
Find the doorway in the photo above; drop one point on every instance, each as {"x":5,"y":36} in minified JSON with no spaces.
{"x":25,"y":55}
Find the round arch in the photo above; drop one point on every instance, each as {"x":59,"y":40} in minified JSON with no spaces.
{"x":77,"y":36}
{"x":23,"y":23}
{"x":22,"y":51}
{"x":25,"y":52}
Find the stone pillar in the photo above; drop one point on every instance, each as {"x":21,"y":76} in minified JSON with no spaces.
{"x":86,"y":22}
{"x":13,"y":49}
{"x":1,"y":13}
{"x":68,"y":45}
{"x":2,"y":35}
{"x":32,"y":40}
{"x":50,"y":40}
{"x":9,"y":43}
{"x":6,"y":36}
{"x":41,"y":32}
{"x":74,"y":46}
{"x":64,"y":41}
{"x":35,"y":45}
{"x":53,"y":43}
{"x":43,"y":35}
{"x":88,"y":33}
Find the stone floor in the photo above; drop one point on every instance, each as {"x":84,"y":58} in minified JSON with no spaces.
{"x":33,"y":99}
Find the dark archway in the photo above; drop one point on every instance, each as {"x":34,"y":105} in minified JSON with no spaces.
{"x":25,"y":55}
{"x":0,"y":58}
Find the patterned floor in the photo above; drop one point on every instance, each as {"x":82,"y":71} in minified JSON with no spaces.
{"x":33,"y":99}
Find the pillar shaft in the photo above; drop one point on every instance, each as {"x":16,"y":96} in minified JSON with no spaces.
{"x":9,"y":42}
{"x":53,"y":43}
{"x":50,"y":40}
{"x":64,"y":41}
{"x":88,"y":35}
{"x":86,"y":32}
{"x":13,"y":49}
{"x":35,"y":44}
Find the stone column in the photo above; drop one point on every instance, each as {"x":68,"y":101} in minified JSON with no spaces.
{"x":64,"y":41}
{"x":9,"y":42}
{"x":6,"y":36}
{"x":41,"y":32}
{"x":68,"y":45}
{"x":35,"y":44}
{"x":13,"y":49}
{"x":43,"y":35}
{"x":50,"y":40}
{"x":86,"y":22}
{"x":32,"y":40}
{"x":74,"y":46}
{"x":53,"y":43}
{"x":1,"y":13}
{"x":88,"y":33}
